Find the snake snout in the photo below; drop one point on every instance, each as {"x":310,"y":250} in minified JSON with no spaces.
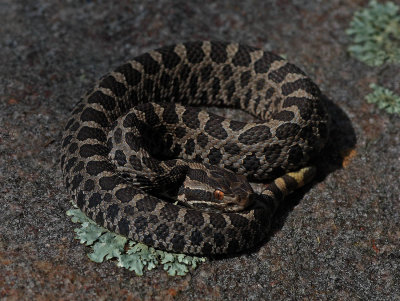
{"x":237,"y":203}
{"x":243,"y":201}
{"x":241,"y":191}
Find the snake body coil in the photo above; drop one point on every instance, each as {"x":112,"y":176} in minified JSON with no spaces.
{"x":292,"y":129}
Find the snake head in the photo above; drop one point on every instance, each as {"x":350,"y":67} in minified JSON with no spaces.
{"x":213,"y":188}
{"x":233,"y":196}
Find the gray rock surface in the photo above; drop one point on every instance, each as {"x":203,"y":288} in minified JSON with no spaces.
{"x":337,"y":239}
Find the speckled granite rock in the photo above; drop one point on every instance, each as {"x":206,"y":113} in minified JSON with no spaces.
{"x":338,"y":239}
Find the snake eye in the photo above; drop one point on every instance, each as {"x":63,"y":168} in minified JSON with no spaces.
{"x":219,"y":195}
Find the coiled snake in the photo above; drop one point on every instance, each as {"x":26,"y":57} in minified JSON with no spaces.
{"x":120,"y":147}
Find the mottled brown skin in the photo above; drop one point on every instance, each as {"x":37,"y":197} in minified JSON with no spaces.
{"x":111,"y":176}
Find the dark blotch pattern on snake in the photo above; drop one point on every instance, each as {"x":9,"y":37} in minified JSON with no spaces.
{"x":110,"y":173}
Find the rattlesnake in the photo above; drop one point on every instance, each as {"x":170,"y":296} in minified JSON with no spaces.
{"x":110,"y":159}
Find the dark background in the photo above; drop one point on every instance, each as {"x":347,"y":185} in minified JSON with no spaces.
{"x":339,"y":239}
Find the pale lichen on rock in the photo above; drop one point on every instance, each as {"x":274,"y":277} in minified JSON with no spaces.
{"x":376,"y":34}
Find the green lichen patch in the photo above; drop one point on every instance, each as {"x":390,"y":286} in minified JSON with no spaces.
{"x":376,"y":34}
{"x":384,"y":99}
{"x":128,"y":254}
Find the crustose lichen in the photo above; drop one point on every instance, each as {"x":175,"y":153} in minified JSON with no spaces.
{"x":384,"y":99}
{"x":376,"y":34}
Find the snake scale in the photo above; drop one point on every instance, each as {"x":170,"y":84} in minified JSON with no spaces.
{"x":135,"y":117}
